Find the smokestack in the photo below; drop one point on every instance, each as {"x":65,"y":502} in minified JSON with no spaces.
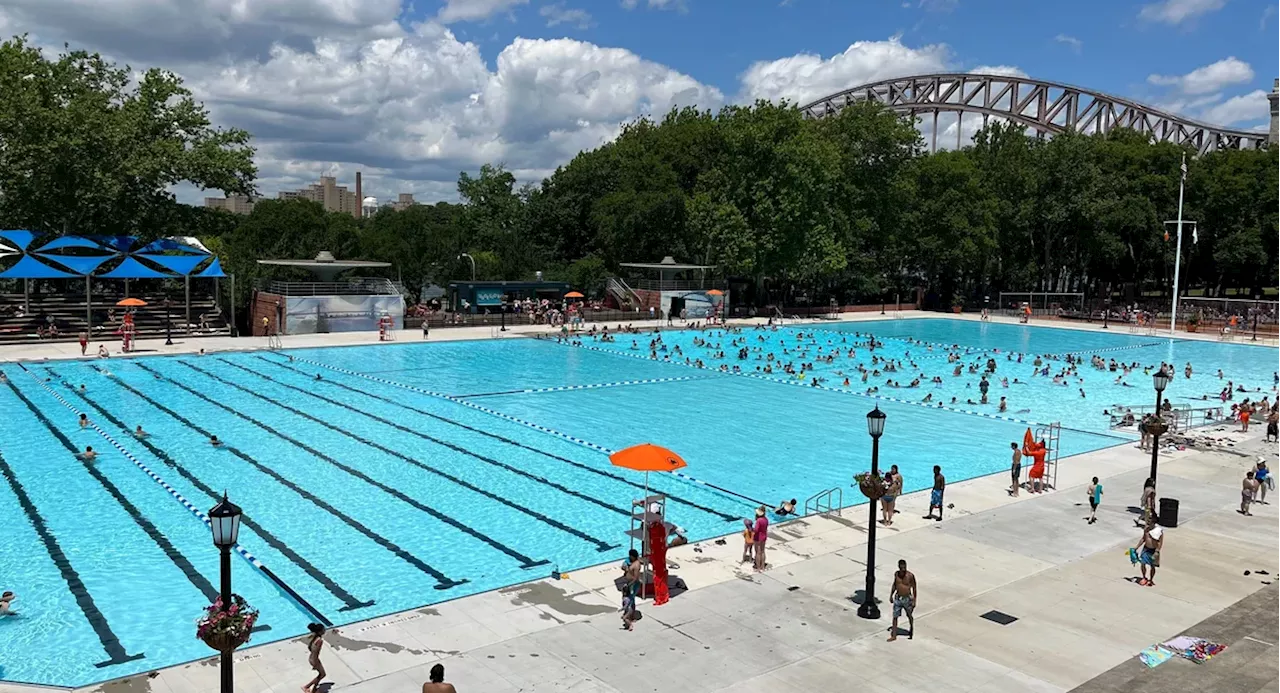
{"x":359,"y":196}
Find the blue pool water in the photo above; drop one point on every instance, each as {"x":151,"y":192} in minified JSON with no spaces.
{"x":411,"y":474}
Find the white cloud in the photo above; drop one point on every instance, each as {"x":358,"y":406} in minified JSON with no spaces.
{"x":559,"y":14}
{"x":1209,"y":78}
{"x":474,"y":10}
{"x":806,"y":77}
{"x":1178,"y":11}
{"x":1002,"y":70}
{"x":1238,"y":109}
{"x":656,"y":4}
{"x":1074,"y":43}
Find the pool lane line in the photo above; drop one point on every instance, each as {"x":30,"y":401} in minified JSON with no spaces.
{"x":197,"y":580}
{"x":592,"y":386}
{"x":445,"y":582}
{"x":601,"y":545}
{"x":807,"y":384}
{"x":350,"y":602}
{"x":97,"y":621}
{"x":585,"y":467}
{"x":522,"y":422}
{"x":452,"y":446}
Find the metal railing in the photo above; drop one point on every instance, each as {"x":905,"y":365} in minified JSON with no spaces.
{"x":622,"y":293}
{"x":355,"y":286}
{"x":834,"y":498}
{"x":677,"y":284}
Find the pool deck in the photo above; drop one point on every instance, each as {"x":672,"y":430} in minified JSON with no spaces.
{"x":1080,"y":617}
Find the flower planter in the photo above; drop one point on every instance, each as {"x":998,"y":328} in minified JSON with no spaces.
{"x":224,"y":642}
{"x":956,"y":309}
{"x":1191,"y":328}
{"x":872,"y":488}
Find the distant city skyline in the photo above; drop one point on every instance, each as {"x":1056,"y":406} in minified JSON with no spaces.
{"x":332,"y":196}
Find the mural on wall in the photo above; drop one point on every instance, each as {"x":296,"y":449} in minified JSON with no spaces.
{"x":320,"y":314}
{"x":692,"y":305}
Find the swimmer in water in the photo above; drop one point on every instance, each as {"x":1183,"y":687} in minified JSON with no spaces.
{"x":84,"y":420}
{"x":88,"y":455}
{"x":213,"y":440}
{"x":139,"y":433}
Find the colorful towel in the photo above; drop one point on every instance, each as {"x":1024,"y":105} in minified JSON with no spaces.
{"x":1154,"y":656}
{"x":1195,"y":649}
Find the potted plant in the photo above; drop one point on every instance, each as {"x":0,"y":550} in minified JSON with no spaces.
{"x":225,"y":629}
{"x":1193,"y":322}
{"x":871,"y":485}
{"x":957,"y":304}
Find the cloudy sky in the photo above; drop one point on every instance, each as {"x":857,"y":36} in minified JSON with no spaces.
{"x":414,"y":91}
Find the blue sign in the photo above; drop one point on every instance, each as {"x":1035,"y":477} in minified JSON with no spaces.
{"x":488,"y":297}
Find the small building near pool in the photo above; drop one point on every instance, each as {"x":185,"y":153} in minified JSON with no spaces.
{"x":479,"y":297}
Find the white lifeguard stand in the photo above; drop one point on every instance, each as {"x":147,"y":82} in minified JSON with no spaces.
{"x":386,"y":328}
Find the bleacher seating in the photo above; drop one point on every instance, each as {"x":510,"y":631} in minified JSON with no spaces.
{"x":68,"y":313}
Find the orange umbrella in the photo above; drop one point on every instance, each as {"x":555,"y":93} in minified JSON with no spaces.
{"x":715,"y":292}
{"x":574,"y":294}
{"x":647,"y":457}
{"x":131,"y":302}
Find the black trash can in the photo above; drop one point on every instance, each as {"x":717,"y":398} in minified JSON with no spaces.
{"x":1168,"y":515}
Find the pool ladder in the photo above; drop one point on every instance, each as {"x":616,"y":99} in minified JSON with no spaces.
{"x":825,"y":502}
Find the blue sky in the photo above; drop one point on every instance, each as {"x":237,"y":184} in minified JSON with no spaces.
{"x":1105,"y":46}
{"x":413,"y":92}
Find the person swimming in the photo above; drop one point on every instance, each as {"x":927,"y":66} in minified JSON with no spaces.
{"x":786,"y":508}
{"x":139,"y":433}
{"x":213,"y":440}
{"x":88,"y":455}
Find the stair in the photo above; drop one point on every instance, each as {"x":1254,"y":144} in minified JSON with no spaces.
{"x":68,"y":313}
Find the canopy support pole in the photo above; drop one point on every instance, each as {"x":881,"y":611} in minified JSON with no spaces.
{"x":26,"y":296}
{"x":187,"y":281}
{"x":126,"y":287}
{"x":233,"y":305}
{"x":88,"y":303}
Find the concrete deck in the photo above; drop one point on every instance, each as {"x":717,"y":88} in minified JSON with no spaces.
{"x":794,"y":626}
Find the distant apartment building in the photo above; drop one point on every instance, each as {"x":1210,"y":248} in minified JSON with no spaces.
{"x":334,"y":197}
{"x":404,"y":202}
{"x":236,"y":204}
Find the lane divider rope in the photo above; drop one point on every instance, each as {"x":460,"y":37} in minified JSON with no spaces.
{"x":592,"y":386}
{"x":512,"y":419}
{"x":243,"y":552}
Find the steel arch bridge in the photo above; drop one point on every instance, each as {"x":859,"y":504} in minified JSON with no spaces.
{"x":1048,"y":108}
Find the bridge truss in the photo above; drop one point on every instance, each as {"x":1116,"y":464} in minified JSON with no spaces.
{"x":1048,"y":108}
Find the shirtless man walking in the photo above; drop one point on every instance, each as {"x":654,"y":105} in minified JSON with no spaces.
{"x":903,"y":596}
{"x":1015,"y":470}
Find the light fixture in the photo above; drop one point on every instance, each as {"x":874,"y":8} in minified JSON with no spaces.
{"x":224,"y":519}
{"x":875,"y":422}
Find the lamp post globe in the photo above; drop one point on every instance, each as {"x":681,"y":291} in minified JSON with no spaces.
{"x":875,"y":428}
{"x":224,"y":520}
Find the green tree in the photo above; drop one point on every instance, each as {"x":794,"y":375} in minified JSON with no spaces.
{"x":86,"y":149}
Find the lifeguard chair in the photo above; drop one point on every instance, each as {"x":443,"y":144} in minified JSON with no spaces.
{"x":386,"y":329}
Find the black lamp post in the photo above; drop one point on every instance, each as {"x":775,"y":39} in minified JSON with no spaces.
{"x":224,"y":519}
{"x":1158,"y":426}
{"x":1106,"y":311}
{"x":503,"y":307}
{"x":875,"y":426}
{"x":168,"y":325}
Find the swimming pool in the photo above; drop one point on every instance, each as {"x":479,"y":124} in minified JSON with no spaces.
{"x":409,"y":474}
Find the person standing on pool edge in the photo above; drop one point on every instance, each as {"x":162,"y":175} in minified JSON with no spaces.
{"x":935,"y":497}
{"x":1015,"y":470}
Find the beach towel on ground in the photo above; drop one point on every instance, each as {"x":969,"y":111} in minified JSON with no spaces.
{"x":1154,"y":656}
{"x":1197,"y":650}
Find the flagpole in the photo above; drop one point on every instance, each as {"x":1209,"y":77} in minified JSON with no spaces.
{"x":1177,"y":262}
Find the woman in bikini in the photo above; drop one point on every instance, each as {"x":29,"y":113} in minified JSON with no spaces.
{"x":314,"y":643}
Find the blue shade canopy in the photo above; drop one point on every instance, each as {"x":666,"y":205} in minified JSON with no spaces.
{"x":181,"y":264}
{"x":132,"y":269}
{"x":170,"y":244}
{"x":120,"y":243}
{"x":69,"y":242}
{"x":80,"y":264}
{"x":31,"y":268}
{"x":213,"y":270}
{"x":21,"y":239}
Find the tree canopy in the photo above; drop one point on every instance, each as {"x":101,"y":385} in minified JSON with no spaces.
{"x":851,"y":206}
